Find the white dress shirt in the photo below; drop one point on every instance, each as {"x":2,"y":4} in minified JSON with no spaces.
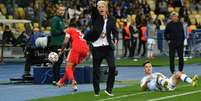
{"x":102,"y":41}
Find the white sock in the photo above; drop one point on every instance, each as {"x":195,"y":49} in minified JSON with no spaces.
{"x":185,"y":78}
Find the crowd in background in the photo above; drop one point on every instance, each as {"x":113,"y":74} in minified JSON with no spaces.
{"x":136,"y":19}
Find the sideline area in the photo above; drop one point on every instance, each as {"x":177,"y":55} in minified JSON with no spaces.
{"x":30,"y":91}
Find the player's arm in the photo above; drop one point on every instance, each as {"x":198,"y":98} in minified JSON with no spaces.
{"x":144,"y":83}
{"x":144,"y":86}
{"x":66,"y":40}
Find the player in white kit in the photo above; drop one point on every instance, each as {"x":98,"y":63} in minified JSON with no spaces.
{"x":157,"y":81}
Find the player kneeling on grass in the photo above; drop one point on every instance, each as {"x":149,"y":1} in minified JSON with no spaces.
{"x":157,"y":81}
{"x":78,"y":52}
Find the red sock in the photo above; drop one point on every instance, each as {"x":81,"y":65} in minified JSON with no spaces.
{"x":70,"y":73}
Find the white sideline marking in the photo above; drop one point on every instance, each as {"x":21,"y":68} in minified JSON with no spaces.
{"x":182,"y":94}
{"x":124,"y":96}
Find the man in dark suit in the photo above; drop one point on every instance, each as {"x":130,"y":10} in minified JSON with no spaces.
{"x":103,"y":36}
{"x":174,"y":34}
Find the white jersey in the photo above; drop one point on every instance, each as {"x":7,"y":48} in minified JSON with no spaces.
{"x":152,"y":84}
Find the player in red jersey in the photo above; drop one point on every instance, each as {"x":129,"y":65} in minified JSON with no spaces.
{"x":78,"y":52}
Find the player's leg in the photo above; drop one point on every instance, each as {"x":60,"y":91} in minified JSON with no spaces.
{"x":149,"y":49}
{"x":71,"y":77}
{"x":67,"y":76}
{"x":162,"y":81}
{"x":183,"y":77}
{"x":69,"y":70}
{"x":172,"y":58}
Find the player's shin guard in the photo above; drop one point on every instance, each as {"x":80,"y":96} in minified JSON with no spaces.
{"x":185,"y":78}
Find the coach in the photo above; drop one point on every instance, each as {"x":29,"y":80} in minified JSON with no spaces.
{"x":103,"y":37}
{"x":174,"y":34}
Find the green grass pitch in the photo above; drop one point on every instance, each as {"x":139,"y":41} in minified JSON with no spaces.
{"x":183,"y":92}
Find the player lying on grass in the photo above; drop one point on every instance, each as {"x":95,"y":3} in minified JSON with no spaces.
{"x":157,"y":81}
{"x":78,"y":52}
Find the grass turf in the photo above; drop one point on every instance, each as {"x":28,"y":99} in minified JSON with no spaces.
{"x":133,"y":93}
{"x":158,"y":61}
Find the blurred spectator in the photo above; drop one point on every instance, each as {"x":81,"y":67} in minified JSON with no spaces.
{"x":146,"y":8}
{"x":30,"y":13}
{"x":151,"y":43}
{"x":30,"y":51}
{"x":8,"y":36}
{"x":160,"y":34}
{"x":162,"y":7}
{"x":183,"y":13}
{"x":142,"y":39}
{"x":177,"y":3}
{"x":126,"y":38}
{"x":134,"y":36}
{"x":2,"y":16}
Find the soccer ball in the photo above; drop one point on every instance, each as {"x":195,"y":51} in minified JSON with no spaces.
{"x":53,"y":57}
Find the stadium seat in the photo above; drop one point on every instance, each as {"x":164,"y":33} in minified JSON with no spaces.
{"x":35,"y":25}
{"x":20,"y":27}
{"x":199,"y":21}
{"x":176,"y":9}
{"x":194,"y":12}
{"x":3,"y":9}
{"x":10,"y":17}
{"x":48,"y":28}
{"x":197,"y":17}
{"x":21,"y":12}
{"x":193,"y":21}
{"x":170,"y":9}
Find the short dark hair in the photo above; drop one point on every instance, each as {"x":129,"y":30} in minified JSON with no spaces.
{"x":146,"y":62}
{"x":73,"y":22}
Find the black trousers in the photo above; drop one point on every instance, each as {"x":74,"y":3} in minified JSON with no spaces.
{"x":141,"y":43}
{"x":172,"y":50}
{"x":100,"y":53}
{"x":133,"y":47}
{"x":126,"y":46}
{"x":57,"y":65}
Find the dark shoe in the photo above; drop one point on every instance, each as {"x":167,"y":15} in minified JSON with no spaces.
{"x":27,"y":77}
{"x":109,"y":93}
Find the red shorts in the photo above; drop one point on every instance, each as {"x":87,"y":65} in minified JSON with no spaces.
{"x":77,"y":55}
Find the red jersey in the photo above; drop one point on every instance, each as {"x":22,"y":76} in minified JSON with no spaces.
{"x":79,"y":49}
{"x":76,"y":37}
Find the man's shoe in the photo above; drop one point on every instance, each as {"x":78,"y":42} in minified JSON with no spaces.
{"x":108,"y":93}
{"x":60,"y":83}
{"x":74,"y":85}
{"x":195,"y":80}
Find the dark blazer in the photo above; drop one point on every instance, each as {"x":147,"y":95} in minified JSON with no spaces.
{"x":97,"y":27}
{"x":174,"y":33}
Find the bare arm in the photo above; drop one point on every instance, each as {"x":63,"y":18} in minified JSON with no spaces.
{"x":66,"y":40}
{"x":144,"y":83}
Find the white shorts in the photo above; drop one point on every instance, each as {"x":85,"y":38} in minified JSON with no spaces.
{"x":151,"y":42}
{"x":152,"y":86}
